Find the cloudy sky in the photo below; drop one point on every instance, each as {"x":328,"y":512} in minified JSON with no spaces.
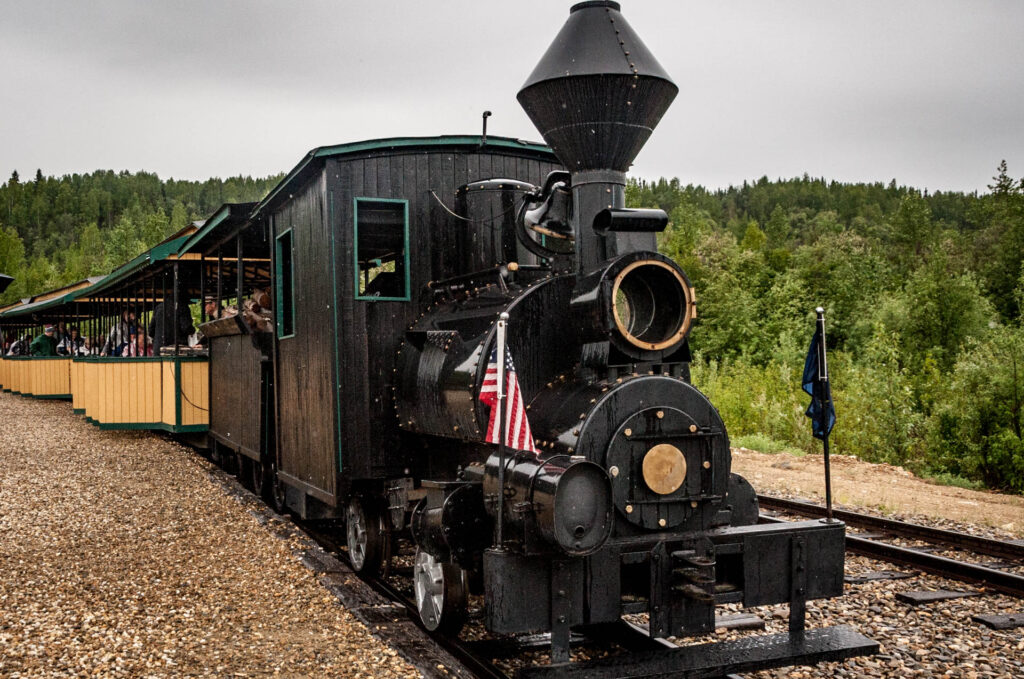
{"x":930,"y":93}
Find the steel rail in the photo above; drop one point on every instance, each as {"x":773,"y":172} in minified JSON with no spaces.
{"x":459,"y":649}
{"x":974,"y":543}
{"x":1002,"y":581}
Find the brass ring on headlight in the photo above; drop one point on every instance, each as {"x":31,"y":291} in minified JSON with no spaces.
{"x":683,"y":316}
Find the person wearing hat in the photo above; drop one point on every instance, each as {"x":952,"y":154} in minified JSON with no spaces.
{"x":45,"y":344}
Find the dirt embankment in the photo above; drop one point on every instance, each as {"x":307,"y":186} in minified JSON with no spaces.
{"x":888,"y":489}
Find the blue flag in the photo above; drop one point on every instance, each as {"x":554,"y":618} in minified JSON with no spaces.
{"x":815,"y":383}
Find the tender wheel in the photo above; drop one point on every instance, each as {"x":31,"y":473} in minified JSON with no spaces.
{"x":365,"y":535}
{"x":243,"y":472}
{"x":440,"y":594}
{"x":229,"y":461}
{"x":277,"y":495}
{"x":258,"y":479}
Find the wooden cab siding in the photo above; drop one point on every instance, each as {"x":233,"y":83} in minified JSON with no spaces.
{"x":36,"y":376}
{"x":165,"y":393}
{"x":335,"y":415}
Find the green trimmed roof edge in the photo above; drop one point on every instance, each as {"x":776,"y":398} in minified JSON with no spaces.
{"x":222,"y":213}
{"x":394,"y":143}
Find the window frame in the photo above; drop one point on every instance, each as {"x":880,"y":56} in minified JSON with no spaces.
{"x":279,"y":300}
{"x":355,"y":249}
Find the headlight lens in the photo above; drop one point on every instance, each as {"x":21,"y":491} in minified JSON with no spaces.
{"x":652,"y":304}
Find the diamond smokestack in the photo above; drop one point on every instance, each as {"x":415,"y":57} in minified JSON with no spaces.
{"x":597,"y":92}
{"x":595,"y":96}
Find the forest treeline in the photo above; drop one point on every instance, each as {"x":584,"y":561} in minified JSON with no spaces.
{"x":923,"y":296}
{"x":58,"y":230}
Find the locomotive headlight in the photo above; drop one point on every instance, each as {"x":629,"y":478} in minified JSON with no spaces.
{"x":642,"y":303}
{"x":652,"y":304}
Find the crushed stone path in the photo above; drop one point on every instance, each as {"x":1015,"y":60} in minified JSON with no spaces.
{"x":120,"y":558}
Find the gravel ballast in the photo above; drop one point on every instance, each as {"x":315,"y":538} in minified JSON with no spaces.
{"x":119,"y":557}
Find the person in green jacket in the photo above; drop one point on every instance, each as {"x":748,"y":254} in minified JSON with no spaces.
{"x":45,"y":344}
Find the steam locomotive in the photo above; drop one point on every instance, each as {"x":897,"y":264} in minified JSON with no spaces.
{"x":625,"y":502}
{"x":396,"y":267}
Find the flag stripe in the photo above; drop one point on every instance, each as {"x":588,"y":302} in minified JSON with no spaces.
{"x":517,"y":427}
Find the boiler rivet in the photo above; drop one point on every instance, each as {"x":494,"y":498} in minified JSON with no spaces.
{"x":707,"y":464}
{"x":629,"y":509}
{"x":661,"y":522}
{"x":614,"y":470}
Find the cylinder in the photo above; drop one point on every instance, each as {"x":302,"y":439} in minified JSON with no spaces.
{"x":563,"y":502}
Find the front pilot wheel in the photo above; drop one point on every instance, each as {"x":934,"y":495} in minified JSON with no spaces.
{"x":440,"y":594}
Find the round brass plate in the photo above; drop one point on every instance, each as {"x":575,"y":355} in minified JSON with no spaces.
{"x":664,"y":468}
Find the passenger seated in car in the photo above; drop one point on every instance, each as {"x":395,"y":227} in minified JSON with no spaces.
{"x":72,"y":345}
{"x":117,"y":338}
{"x":45,"y":344}
{"x":138,"y":345}
{"x":19,"y":347}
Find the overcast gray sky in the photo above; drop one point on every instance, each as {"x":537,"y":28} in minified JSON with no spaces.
{"x":930,"y":93}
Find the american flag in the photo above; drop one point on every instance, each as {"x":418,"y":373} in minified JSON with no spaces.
{"x":517,"y":427}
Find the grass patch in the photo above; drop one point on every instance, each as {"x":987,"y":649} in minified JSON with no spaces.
{"x":948,"y":479}
{"x":765,"y":444}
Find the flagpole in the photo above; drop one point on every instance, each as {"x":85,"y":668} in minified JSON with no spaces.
{"x":499,"y":536}
{"x":823,"y":377}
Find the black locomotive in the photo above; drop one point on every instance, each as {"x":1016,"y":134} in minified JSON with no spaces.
{"x":628,"y":504}
{"x":395,"y":268}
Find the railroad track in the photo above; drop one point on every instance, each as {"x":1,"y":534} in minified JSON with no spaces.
{"x":478,"y":655}
{"x":461,"y":650}
{"x":954,"y":569}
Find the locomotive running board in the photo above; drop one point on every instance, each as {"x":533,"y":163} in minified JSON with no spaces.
{"x":709,"y":661}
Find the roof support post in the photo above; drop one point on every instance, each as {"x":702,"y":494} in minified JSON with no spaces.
{"x":175,"y":308}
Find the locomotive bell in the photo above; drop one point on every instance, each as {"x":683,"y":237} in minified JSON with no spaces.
{"x":595,"y":97}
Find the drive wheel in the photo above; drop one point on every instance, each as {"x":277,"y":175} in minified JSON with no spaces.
{"x":440,"y":594}
{"x":365,"y":535}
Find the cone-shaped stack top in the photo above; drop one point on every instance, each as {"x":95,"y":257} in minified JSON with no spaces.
{"x":598,"y":92}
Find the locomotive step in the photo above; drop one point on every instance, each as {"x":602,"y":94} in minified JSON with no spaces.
{"x":713,"y":660}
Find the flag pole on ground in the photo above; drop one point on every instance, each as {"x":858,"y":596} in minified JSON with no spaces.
{"x":821,"y":410}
